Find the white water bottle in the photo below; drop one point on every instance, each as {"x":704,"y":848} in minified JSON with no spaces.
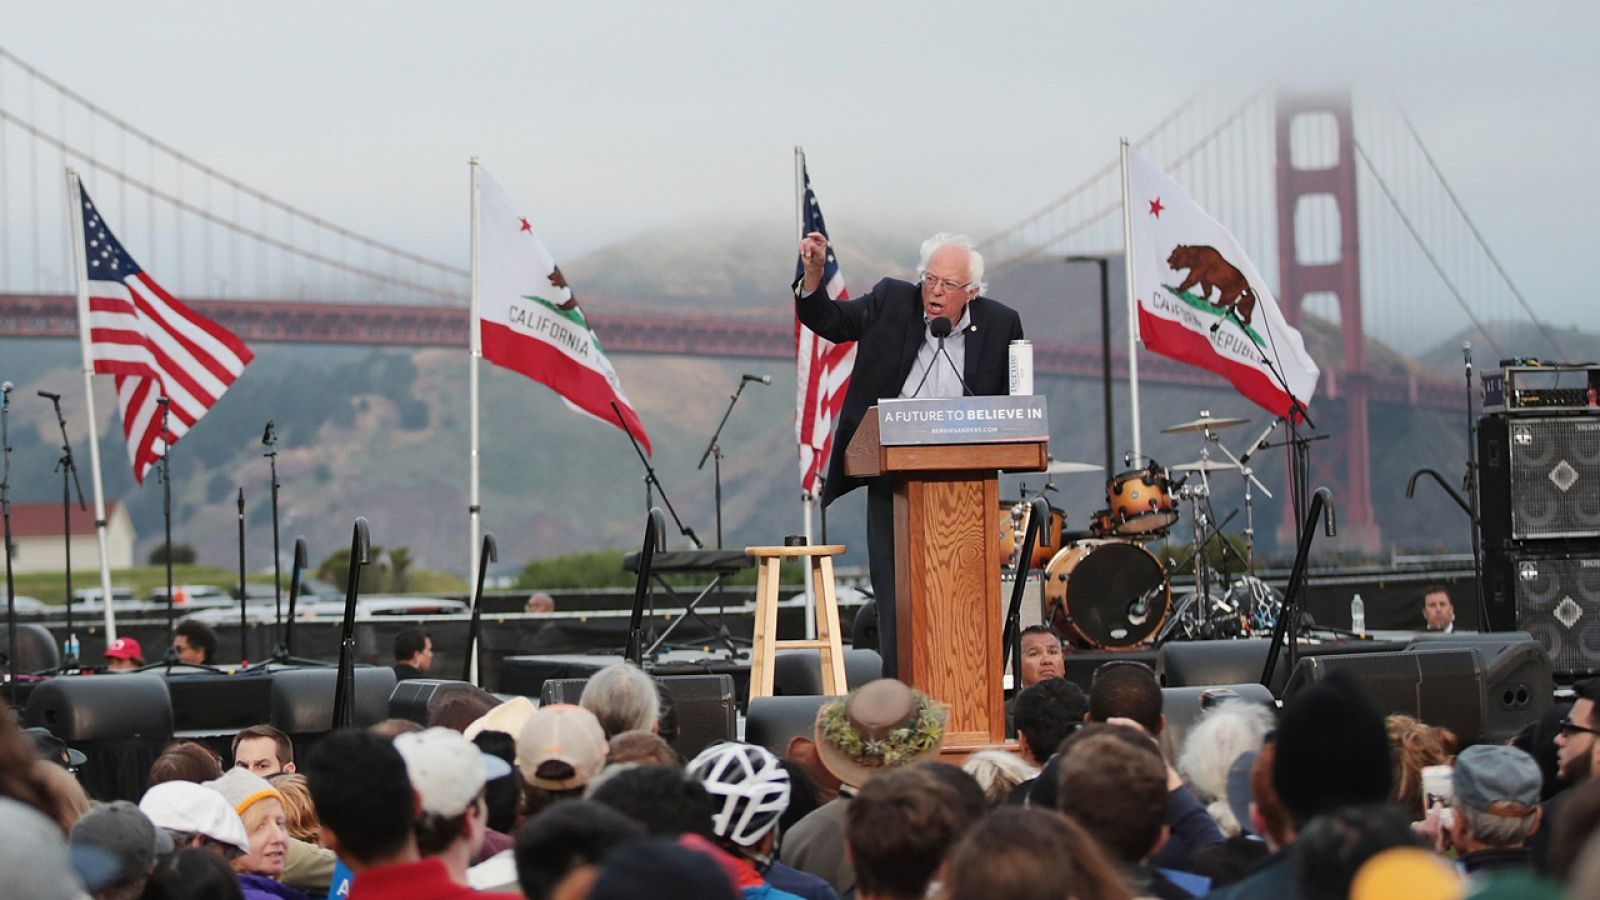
{"x":1358,"y":615}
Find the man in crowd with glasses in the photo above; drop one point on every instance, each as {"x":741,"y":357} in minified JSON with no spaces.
{"x":897,"y":355}
{"x":1575,"y":752}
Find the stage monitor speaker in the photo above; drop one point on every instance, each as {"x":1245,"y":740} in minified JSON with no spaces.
{"x":119,"y":722}
{"x":1223,"y":662}
{"x":703,"y":706}
{"x":1521,"y":685}
{"x":1182,"y":706}
{"x":36,"y":648}
{"x":416,"y":698}
{"x":1439,"y":687}
{"x":302,"y":699}
{"x":209,"y":701}
{"x":1540,"y":477}
{"x":772,"y":722}
{"x":799,"y":672}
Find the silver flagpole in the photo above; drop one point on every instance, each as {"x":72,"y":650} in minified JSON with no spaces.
{"x":1133,"y":309}
{"x":475,"y":353}
{"x":807,"y":499}
{"x":81,"y":270}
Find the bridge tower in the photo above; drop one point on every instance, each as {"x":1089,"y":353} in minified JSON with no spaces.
{"x":1316,"y":174}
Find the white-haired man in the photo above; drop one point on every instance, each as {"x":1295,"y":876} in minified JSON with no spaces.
{"x":897,"y":355}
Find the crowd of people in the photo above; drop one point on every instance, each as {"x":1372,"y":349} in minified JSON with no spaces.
{"x":1323,"y":798}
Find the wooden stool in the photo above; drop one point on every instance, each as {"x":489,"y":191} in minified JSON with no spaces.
{"x":766,"y":644}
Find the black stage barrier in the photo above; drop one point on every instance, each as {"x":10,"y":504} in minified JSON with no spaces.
{"x":1193,"y":663}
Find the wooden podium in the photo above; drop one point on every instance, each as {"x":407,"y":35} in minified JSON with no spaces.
{"x":947,"y":593}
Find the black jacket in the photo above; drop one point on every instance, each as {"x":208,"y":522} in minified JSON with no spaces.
{"x":888,"y":329}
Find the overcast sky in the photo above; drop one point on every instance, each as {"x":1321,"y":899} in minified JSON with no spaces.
{"x":614,"y":118}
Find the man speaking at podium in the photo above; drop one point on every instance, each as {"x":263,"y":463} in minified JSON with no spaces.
{"x":898,"y":329}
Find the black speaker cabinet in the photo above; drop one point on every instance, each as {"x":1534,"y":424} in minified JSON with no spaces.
{"x":703,"y":705}
{"x":417,"y":698}
{"x":773,"y":721}
{"x":1553,"y":596}
{"x":120,"y":722}
{"x":36,"y":647}
{"x":1540,"y":477}
{"x":1439,"y":687}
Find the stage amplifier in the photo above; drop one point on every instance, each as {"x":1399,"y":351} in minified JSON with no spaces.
{"x":1539,"y":477}
{"x":1555,"y":595}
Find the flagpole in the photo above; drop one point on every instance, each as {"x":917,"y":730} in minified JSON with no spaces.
{"x":807,"y":499}
{"x":81,"y":273}
{"x":1133,"y":314}
{"x":475,"y":353}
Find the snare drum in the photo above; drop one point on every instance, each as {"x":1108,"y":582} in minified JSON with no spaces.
{"x":1141,"y":503}
{"x":1106,"y":594}
{"x":1014,"y":527}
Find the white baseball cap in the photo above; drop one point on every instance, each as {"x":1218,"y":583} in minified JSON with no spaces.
{"x":187,"y":807}
{"x":447,"y":771}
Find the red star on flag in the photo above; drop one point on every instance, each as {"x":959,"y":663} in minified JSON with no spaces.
{"x":526,"y":226}
{"x":1155,"y":209}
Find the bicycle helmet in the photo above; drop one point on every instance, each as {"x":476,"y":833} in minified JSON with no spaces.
{"x":749,"y":784}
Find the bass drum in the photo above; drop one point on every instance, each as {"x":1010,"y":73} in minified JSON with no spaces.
{"x":1106,"y":594}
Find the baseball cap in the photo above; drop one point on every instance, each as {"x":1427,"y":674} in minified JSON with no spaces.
{"x":115,"y":843}
{"x":124,"y":648}
{"x":187,"y":807}
{"x":34,"y":856}
{"x":1497,"y":779}
{"x":508,"y":717}
{"x":447,"y":770}
{"x":562,"y":733}
{"x":54,"y":749}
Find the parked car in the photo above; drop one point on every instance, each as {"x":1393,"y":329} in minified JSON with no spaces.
{"x":260,"y":612}
{"x":191,"y":596}
{"x":27,"y":606}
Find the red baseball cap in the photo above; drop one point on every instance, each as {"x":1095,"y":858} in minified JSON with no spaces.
{"x":124,"y":648}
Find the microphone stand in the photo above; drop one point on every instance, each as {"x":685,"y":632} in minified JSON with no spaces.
{"x":244,"y":647}
{"x":166,"y":500}
{"x":1470,"y":484}
{"x":270,"y":439}
{"x":69,"y":479}
{"x":1299,"y":447}
{"x":5,"y":513}
{"x":283,"y":653}
{"x":651,"y":479}
{"x":344,"y":693}
{"x":714,"y":449}
{"x":489,"y":553}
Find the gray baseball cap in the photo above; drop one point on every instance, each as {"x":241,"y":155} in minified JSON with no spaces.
{"x":33,"y":856}
{"x":1497,"y":779}
{"x":115,"y":843}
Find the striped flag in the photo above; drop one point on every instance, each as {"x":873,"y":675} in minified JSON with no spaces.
{"x":154,"y":345}
{"x":823,"y":367}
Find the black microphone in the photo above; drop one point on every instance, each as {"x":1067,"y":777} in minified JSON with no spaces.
{"x":1140,"y":608}
{"x":764,"y":379}
{"x":49,"y":396}
{"x":269,"y":435}
{"x":940,"y":328}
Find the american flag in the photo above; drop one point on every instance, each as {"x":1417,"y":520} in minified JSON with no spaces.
{"x":823,"y":367}
{"x":154,"y":345}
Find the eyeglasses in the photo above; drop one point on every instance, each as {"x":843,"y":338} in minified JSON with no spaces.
{"x":1569,"y":727}
{"x":933,"y":281}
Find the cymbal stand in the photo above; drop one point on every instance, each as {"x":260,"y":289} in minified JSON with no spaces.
{"x":1250,"y":480}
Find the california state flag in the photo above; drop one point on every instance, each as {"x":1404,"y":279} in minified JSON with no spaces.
{"x":529,"y":319}
{"x":1189,"y":274}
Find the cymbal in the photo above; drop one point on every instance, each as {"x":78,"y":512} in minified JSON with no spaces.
{"x":1203,"y":423}
{"x":1062,"y":467}
{"x":1206,"y":465}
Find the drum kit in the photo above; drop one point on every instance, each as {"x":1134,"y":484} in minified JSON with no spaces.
{"x":1105,"y":590}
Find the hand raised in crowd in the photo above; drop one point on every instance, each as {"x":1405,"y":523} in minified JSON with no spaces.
{"x":813,"y":255}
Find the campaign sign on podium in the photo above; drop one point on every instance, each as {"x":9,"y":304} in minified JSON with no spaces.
{"x":963,"y":420}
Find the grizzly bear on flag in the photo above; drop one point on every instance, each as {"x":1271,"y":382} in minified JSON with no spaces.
{"x":1208,"y":269}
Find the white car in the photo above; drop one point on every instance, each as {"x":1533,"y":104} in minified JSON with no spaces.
{"x":191,"y":596}
{"x":26,"y":606}
{"x":261,"y":613}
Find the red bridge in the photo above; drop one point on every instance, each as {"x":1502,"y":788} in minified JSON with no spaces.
{"x":713,"y":334}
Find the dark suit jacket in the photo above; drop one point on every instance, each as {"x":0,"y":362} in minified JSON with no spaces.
{"x":887,"y":327}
